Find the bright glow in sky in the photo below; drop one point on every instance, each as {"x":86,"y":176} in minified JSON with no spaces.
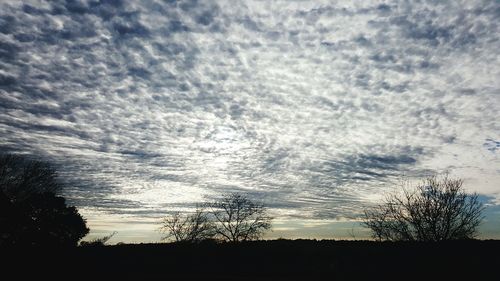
{"x":315,"y":108}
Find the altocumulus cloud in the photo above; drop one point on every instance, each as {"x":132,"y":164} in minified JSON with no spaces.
{"x":313,"y":106}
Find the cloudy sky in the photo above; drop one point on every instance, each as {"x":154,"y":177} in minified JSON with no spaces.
{"x":316,"y":108}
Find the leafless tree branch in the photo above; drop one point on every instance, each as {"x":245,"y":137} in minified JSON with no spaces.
{"x":438,"y":209}
{"x":239,"y":219}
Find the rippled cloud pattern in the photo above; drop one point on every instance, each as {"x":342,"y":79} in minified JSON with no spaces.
{"x":315,"y":107}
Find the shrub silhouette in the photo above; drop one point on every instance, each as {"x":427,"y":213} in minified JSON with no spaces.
{"x":98,"y":242}
{"x":438,"y":209}
{"x":31,"y":213}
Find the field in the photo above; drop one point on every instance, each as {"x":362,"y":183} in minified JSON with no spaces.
{"x":263,"y":260}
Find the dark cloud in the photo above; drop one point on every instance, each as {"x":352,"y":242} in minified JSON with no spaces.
{"x":350,"y":169}
{"x":491,"y":145}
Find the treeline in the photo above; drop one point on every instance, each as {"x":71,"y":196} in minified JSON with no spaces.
{"x":33,"y":213}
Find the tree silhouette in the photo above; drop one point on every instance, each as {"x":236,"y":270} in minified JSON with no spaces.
{"x":31,"y":213}
{"x":438,"y":209}
{"x":195,"y":227}
{"x":239,"y":219}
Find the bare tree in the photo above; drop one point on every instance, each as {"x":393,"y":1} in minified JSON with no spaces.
{"x":239,"y":219}
{"x":437,"y":209}
{"x":194,"y":227}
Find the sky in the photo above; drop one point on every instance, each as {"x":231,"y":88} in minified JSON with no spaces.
{"x":315,"y":108}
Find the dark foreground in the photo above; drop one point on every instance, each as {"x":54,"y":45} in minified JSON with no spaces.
{"x":262,"y":260}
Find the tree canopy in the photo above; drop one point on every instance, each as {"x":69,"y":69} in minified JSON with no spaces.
{"x":31,"y":211}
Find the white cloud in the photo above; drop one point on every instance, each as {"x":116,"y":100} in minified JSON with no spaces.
{"x":310,"y":105}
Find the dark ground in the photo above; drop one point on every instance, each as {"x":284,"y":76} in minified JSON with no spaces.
{"x":261,"y":260}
